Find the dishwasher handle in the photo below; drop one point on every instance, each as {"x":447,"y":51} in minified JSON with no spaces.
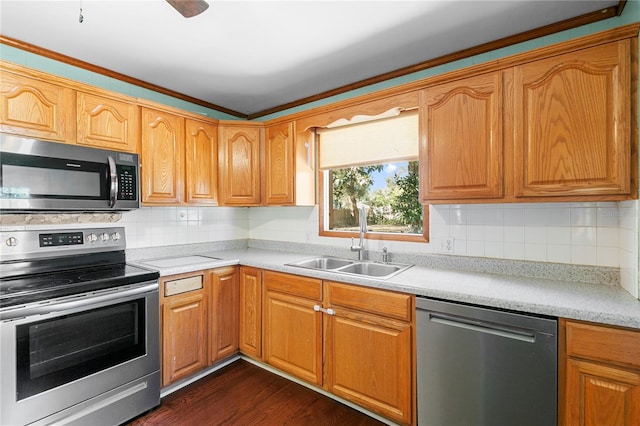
{"x":483,"y":327}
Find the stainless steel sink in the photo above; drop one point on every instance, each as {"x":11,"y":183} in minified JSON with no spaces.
{"x":323,"y":263}
{"x":372,"y":269}
{"x":352,"y":267}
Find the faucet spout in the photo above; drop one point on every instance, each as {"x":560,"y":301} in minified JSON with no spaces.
{"x":363,"y":230}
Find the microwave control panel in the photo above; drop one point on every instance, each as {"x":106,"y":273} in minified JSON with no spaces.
{"x":127,"y":185}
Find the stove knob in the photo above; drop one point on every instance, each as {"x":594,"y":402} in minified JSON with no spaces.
{"x":104,"y":237}
{"x":12,"y":241}
{"x":92,"y":238}
{"x":115,"y":236}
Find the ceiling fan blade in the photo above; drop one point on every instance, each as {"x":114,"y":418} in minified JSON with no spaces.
{"x":189,"y":8}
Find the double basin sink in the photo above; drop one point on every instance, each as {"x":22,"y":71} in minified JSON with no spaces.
{"x":361,"y":268}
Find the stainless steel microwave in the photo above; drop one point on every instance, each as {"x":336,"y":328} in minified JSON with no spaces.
{"x":48,"y":176}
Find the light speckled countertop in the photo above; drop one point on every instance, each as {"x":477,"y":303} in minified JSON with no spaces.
{"x":607,"y":304}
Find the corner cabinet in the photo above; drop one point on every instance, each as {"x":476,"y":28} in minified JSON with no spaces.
{"x":224,"y":307}
{"x":599,"y":375}
{"x":250,"y":311}
{"x":239,"y":155}
{"x":461,"y":139}
{"x":571,"y":123}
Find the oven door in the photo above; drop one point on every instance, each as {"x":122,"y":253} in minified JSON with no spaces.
{"x":62,"y":354}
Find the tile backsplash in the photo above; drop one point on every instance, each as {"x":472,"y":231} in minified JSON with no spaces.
{"x":597,"y":234}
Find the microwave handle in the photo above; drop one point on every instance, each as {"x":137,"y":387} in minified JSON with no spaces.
{"x":113,"y":187}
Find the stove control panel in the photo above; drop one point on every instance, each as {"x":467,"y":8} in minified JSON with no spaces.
{"x":65,"y":242}
{"x":60,"y":239}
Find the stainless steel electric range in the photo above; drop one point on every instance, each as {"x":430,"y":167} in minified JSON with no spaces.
{"x":79,"y":329}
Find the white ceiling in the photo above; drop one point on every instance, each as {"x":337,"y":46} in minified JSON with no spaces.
{"x":250,"y":56}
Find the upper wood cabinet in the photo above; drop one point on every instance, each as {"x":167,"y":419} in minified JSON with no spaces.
{"x":279,"y":164}
{"x":201,"y":162}
{"x":35,"y":108}
{"x":239,"y":155}
{"x":161,"y":156}
{"x":599,"y":375}
{"x":461,"y":144}
{"x":571,"y":123}
{"x":106,"y":122}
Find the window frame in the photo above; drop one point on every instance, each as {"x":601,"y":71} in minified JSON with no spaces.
{"x":384,"y":236}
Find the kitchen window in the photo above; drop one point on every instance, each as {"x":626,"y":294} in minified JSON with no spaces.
{"x":372,"y":164}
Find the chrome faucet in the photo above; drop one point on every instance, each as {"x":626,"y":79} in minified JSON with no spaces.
{"x":363,"y":229}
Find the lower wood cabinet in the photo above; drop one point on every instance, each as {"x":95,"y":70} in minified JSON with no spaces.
{"x":292,"y":328}
{"x":184,"y":326}
{"x":355,"y":342}
{"x":199,"y":320}
{"x":599,"y":375}
{"x":224,"y":303}
{"x":250,"y":311}
{"x":369,"y":349}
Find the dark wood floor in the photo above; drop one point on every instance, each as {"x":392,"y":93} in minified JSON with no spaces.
{"x":244,"y":394}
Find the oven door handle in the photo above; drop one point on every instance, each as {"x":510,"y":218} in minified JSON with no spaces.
{"x":80,"y":301}
{"x":113,"y":186}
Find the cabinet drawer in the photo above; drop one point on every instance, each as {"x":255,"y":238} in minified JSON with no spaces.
{"x":621,"y":346}
{"x":381,"y":302}
{"x":309,"y":288}
{"x":182,"y":285}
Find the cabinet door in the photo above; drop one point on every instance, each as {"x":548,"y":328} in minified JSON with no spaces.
{"x":292,"y":327}
{"x":279,"y":164}
{"x":34,"y":108}
{"x":461,"y":143}
{"x":572,"y":123}
{"x":184,"y":334}
{"x":239,"y":160}
{"x":601,"y":395}
{"x":223,"y":312}
{"x":201,"y":162}
{"x":250,"y":311}
{"x":107,"y":123}
{"x":161,"y":157}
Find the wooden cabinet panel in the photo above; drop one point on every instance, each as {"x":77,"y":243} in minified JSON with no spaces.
{"x":572,"y":123}
{"x":251,"y":311}
{"x":224,"y":313}
{"x":239,"y":162}
{"x":461,"y":144}
{"x":385,"y":303}
{"x":293,"y":335}
{"x":161,"y":157}
{"x":184,"y":331}
{"x":601,"y":395}
{"x":34,"y":108}
{"x":279,"y":164}
{"x":201,"y":162}
{"x":369,"y":362}
{"x":107,"y":123}
{"x":599,"y":375}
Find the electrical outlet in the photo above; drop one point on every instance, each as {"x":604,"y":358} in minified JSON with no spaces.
{"x":447,"y":245}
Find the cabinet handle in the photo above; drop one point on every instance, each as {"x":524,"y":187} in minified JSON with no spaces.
{"x":329,"y":311}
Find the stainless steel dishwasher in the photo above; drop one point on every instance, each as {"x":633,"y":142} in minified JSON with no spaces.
{"x":479,"y":366}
